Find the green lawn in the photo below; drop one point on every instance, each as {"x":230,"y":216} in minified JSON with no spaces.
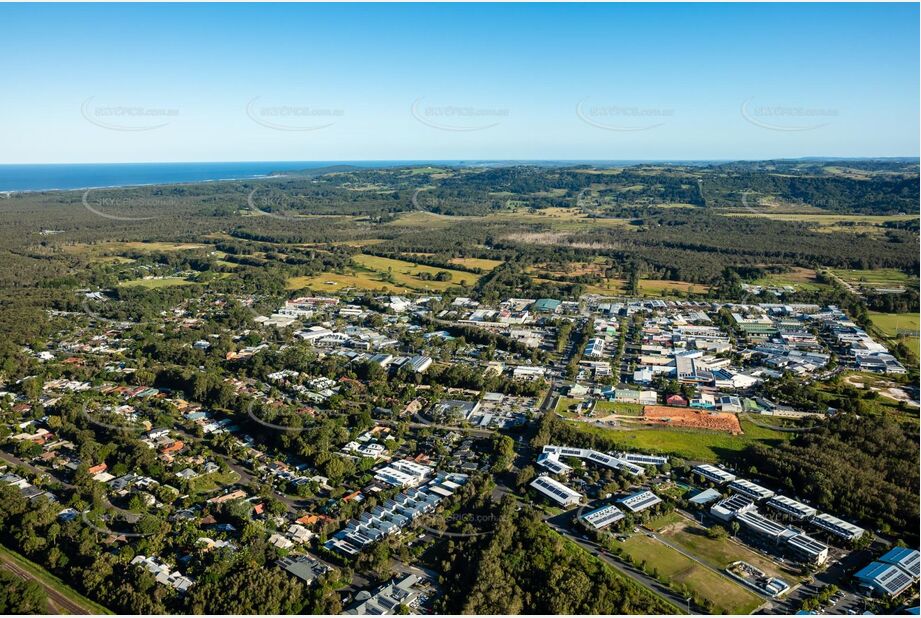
{"x":726,"y":595}
{"x":698,"y":445}
{"x":720,"y":553}
{"x":899,"y":327}
{"x":603,"y":408}
{"x":49,"y":581}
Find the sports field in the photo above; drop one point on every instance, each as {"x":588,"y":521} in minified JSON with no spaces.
{"x":899,"y":327}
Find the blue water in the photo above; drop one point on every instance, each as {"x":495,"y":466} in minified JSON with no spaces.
{"x":48,"y":177}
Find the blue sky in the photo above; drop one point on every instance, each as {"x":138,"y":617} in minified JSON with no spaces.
{"x":213,"y":82}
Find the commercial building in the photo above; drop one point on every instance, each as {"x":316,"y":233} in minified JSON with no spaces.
{"x":764,"y":527}
{"x":604,"y":459}
{"x":714,"y":474}
{"x":604,"y":516}
{"x":750,"y":490}
{"x":732,"y":507}
{"x":791,"y":507}
{"x":808,"y":549}
{"x":388,"y":599}
{"x":556,"y":491}
{"x":640,"y":501}
{"x":838,"y":527}
{"x":643,"y":460}
{"x":552,"y":462}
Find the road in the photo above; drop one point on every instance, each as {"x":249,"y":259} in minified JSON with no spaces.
{"x":627,"y":570}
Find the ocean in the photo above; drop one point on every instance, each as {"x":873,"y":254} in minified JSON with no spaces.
{"x":68,"y":176}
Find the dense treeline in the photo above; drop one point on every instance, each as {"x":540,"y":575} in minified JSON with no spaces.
{"x":524,"y":567}
{"x":860,"y":468}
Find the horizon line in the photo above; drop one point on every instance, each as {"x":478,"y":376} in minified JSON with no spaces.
{"x":491,"y":160}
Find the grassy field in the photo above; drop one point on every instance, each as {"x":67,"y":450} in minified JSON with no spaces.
{"x":117,"y":247}
{"x":210,"y":482}
{"x":892,"y":323}
{"x":824,"y":219}
{"x":726,"y":595}
{"x":482,"y":263}
{"x":655,"y":287}
{"x":719,"y":553}
{"x":336,"y":282}
{"x":880,"y":278}
{"x":407,"y":273}
{"x":371,"y":276}
{"x":899,"y":327}
{"x":50,"y":583}
{"x":603,"y":408}
{"x":799,"y":278}
{"x":163,"y":282}
{"x":698,"y":445}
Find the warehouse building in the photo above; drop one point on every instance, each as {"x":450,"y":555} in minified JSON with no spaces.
{"x":883,"y":579}
{"x":909,"y":560}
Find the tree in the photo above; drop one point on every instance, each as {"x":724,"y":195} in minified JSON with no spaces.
{"x":20,"y":597}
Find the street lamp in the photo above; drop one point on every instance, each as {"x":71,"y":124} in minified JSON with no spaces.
{"x":689,"y":604}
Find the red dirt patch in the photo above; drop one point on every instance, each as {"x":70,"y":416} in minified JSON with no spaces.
{"x":692,"y":419}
